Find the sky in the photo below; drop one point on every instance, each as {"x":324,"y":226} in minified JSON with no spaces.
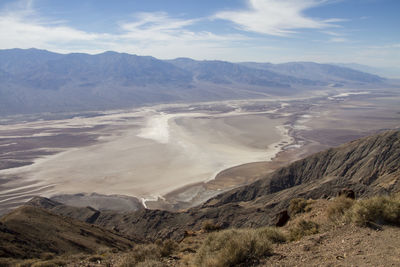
{"x":346,"y":31}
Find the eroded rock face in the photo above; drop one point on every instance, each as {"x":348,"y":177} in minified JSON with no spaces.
{"x":368,"y":166}
{"x":365,"y":165}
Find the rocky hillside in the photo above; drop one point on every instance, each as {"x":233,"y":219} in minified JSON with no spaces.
{"x":368,"y":166}
{"x":335,"y":232}
{"x":28,"y":232}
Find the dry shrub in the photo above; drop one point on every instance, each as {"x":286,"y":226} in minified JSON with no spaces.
{"x":338,"y":208}
{"x":376,"y":210}
{"x":146,"y":255}
{"x":272,"y":234}
{"x":303,"y":228}
{"x":210,"y":226}
{"x":299,"y":205}
{"x":168,"y":247}
{"x":142,"y":253}
{"x":233,"y":248}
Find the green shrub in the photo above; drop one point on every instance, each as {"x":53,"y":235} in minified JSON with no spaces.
{"x":299,"y":205}
{"x":338,"y":208}
{"x":233,"y":248}
{"x":303,"y":228}
{"x":376,"y":210}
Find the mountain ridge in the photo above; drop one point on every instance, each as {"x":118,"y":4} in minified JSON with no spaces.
{"x":34,"y":81}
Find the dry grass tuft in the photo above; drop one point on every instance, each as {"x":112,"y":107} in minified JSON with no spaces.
{"x":168,"y":247}
{"x":210,"y":226}
{"x":303,"y":228}
{"x":142,"y":253}
{"x":376,"y":210}
{"x":338,"y":208}
{"x":299,"y":205}
{"x":150,"y":254}
{"x":233,"y":248}
{"x":272,"y":234}
{"x":373,"y":211}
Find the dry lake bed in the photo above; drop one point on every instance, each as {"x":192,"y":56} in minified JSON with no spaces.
{"x":176,"y":155}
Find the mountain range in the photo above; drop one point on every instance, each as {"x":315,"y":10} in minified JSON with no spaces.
{"x":33,"y":81}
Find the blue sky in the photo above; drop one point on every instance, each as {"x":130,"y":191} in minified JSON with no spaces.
{"x":361,"y":31}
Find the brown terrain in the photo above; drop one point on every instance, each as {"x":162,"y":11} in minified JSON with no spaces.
{"x":28,"y":232}
{"x":366,"y":167}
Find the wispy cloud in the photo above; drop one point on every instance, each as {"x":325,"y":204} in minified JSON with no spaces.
{"x":20,"y":26}
{"x":158,"y":26}
{"x":277,"y":17}
{"x":145,"y":33}
{"x":338,"y":40}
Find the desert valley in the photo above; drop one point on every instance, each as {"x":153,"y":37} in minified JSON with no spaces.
{"x":199,"y":133}
{"x":169,"y":155}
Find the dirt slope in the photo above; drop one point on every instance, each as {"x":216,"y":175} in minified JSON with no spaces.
{"x":30,"y":231}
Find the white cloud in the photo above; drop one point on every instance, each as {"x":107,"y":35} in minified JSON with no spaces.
{"x":159,"y":26}
{"x":276,"y":17}
{"x":331,"y":33}
{"x":154,"y":34}
{"x":338,"y":40}
{"x":21,"y":27}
